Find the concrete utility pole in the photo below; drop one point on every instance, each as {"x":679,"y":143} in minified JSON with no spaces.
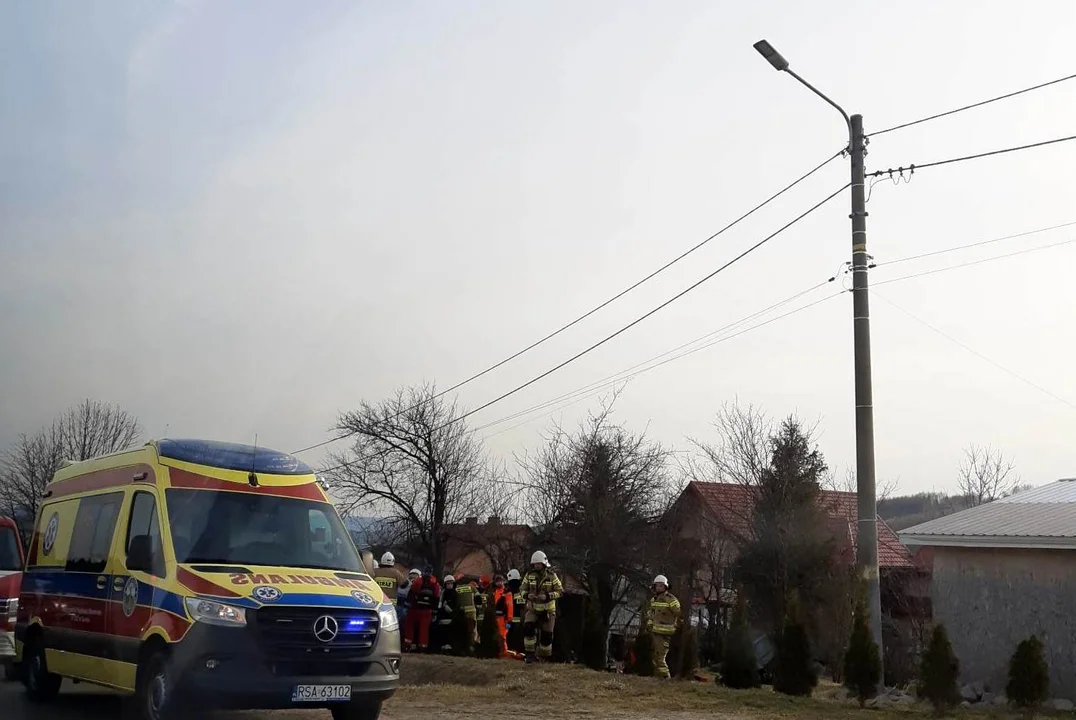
{"x":867,"y":544}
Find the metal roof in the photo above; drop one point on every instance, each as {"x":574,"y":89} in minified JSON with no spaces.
{"x":1043,"y":517}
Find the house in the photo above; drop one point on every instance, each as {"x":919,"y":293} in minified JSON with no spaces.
{"x":716,"y":518}
{"x":474,"y":549}
{"x":1001,"y":572}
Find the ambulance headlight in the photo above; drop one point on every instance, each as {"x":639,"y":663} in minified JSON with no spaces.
{"x":387,"y":616}
{"x":215,"y":613}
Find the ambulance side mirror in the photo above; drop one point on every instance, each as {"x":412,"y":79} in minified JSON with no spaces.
{"x":141,"y":556}
{"x":368,"y":561}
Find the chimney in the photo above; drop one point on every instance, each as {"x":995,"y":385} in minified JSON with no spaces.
{"x":493,"y":520}
{"x":472,"y":521}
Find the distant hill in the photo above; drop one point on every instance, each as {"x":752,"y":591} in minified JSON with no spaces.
{"x":905,"y":511}
{"x":362,"y":529}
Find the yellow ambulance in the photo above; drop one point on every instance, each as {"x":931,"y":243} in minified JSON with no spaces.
{"x":192,"y":574}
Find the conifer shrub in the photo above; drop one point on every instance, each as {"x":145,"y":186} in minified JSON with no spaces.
{"x":1029,"y":675}
{"x":739,"y":664}
{"x":939,"y":669}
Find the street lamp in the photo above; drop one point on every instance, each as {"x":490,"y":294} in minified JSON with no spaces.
{"x":867,"y":545}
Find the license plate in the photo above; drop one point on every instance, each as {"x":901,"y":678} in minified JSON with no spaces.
{"x":321,"y":693}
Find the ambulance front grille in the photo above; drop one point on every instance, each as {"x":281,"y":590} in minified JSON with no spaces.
{"x":287,"y":636}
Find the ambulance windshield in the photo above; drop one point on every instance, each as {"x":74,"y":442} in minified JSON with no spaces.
{"x":258,"y":529}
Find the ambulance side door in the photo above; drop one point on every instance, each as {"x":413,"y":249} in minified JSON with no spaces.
{"x":139,"y":565}
{"x":88,"y":567}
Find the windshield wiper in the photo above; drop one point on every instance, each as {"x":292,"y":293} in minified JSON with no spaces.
{"x":313,"y":566}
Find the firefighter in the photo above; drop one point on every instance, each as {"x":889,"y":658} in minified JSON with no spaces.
{"x":515,"y":629}
{"x":540,"y":589}
{"x":662,"y":621}
{"x":501,"y":604}
{"x":465,"y":593}
{"x":403,"y":596}
{"x":446,"y":614}
{"x":481,"y":599}
{"x":389,"y":577}
{"x":422,"y":598}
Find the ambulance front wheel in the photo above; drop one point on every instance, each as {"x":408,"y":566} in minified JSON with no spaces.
{"x":154,"y":692}
{"x":41,"y":685}
{"x":358,"y":710}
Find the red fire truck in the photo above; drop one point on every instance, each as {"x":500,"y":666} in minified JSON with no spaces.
{"x":11,"y":564}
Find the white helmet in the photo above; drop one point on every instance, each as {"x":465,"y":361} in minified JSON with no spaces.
{"x":414,"y":573}
{"x":513,"y":574}
{"x":539,"y":557}
{"x":661,"y":580}
{"x":449,"y":579}
{"x":388,"y":560}
{"x":376,"y":565}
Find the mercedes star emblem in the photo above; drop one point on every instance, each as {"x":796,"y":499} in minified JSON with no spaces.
{"x":326,"y":628}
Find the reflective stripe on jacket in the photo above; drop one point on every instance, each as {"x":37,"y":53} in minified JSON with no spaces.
{"x":481,"y":600}
{"x":465,"y":593}
{"x":389,"y":581}
{"x":503,"y":605}
{"x":663,"y":614}
{"x":541,"y":582}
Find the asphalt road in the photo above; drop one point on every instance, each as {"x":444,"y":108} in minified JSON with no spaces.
{"x":86,"y":702}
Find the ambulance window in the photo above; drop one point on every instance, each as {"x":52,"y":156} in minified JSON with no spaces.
{"x":95,"y":524}
{"x":144,"y":522}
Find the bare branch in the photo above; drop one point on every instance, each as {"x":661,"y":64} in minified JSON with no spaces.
{"x":985,"y":474}
{"x":417,"y":467}
{"x":87,"y":430}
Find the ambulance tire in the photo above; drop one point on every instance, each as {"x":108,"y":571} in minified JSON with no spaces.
{"x":154,"y":692}
{"x":357,"y":710}
{"x":41,"y":685}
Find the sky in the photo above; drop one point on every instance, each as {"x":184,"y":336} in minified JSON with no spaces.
{"x":239,"y":219}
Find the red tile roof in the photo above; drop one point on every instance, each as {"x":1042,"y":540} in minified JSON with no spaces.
{"x":731,"y":504}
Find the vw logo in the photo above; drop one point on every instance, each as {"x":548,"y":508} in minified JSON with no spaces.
{"x":50,"y":534}
{"x":326,"y":628}
{"x":364,"y":599}
{"x":266,"y":593}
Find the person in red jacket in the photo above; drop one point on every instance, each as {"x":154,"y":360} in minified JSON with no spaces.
{"x":422,"y":599}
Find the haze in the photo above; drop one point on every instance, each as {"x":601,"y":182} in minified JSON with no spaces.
{"x":241,"y":218}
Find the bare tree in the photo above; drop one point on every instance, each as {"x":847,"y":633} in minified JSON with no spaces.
{"x":741,"y":453}
{"x":416,"y":464}
{"x":597,"y":496}
{"x":84,"y":431}
{"x":848,"y":483}
{"x":985,"y":474}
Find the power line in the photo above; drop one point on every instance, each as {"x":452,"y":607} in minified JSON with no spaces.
{"x":612,"y":379}
{"x":975,"y":262}
{"x":973,"y":105}
{"x":973,"y":351}
{"x":977,"y":156}
{"x":611,"y":300}
{"x":592,"y":389}
{"x":598,"y":387}
{"x":663,"y":305}
{"x":974,"y":244}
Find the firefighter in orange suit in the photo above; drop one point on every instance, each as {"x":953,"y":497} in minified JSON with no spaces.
{"x":501,"y":604}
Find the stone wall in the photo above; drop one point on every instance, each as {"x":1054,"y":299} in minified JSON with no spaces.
{"x":991,"y":599}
